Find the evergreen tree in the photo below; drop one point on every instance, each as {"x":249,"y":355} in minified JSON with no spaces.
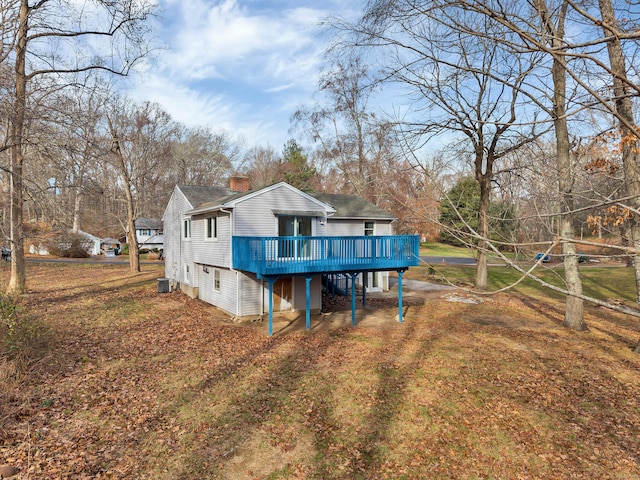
{"x":298,"y":172}
{"x":459,"y":215}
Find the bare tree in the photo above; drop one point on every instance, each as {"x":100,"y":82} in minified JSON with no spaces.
{"x":458,"y":84}
{"x":435,"y":39}
{"x":74,"y":148}
{"x":141,"y":137}
{"x":202,"y":157}
{"x":553,"y":32}
{"x":263,"y":166}
{"x":630,"y":132}
{"x":56,"y":39}
{"x":354,"y":144}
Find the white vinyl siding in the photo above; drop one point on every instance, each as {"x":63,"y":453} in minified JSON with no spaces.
{"x":240,"y":294}
{"x":251,"y":295}
{"x":175,"y":253}
{"x":226,"y":297}
{"x":255,"y":217}
{"x":212,"y":252}
{"x":300,"y":293}
{"x":346,"y":228}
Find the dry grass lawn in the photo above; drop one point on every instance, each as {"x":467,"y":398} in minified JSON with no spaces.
{"x":137,"y":384}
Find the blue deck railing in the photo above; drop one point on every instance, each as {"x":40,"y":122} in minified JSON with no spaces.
{"x":300,"y":255}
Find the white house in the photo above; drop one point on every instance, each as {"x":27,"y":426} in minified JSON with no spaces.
{"x":252,"y":252}
{"x":89,"y":242}
{"x":149,"y":233}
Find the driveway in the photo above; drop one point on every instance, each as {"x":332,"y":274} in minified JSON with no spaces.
{"x":94,"y":259}
{"x":449,"y":260}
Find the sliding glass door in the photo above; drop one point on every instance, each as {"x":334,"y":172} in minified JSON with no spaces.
{"x":293,"y":226}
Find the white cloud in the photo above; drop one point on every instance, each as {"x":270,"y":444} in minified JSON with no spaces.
{"x":243,"y":66}
{"x":257,"y":125}
{"x":279,"y":88}
{"x":220,"y":40}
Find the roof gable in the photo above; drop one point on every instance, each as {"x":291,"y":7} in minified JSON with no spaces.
{"x":232,"y":198}
{"x":230,"y":202}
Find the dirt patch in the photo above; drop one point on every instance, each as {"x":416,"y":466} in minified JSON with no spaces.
{"x":381,"y":311}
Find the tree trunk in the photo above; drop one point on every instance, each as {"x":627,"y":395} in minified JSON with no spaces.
{"x":134,"y":251}
{"x":483,"y":230}
{"x":628,"y":129}
{"x":76,"y":210}
{"x":574,"y":306}
{"x":17,"y":281}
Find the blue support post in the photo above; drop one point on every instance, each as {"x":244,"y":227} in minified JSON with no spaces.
{"x":353,"y":299}
{"x":400,"y":273}
{"x":307,"y":280}
{"x":364,"y":289}
{"x":271,"y":282}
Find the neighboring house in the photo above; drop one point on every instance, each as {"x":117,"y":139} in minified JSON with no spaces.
{"x":89,"y":242}
{"x":110,"y":247}
{"x":250,"y":252}
{"x":149,"y":233}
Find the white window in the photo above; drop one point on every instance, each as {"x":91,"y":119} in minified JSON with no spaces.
{"x":216,"y":280}
{"x":368,"y":228}
{"x":186,"y":229}
{"x":187,"y":275}
{"x":211,"y":231}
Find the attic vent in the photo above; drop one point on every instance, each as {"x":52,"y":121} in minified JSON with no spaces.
{"x":239,"y":183}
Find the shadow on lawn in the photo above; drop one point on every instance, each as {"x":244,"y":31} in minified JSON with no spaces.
{"x":609,"y":325}
{"x":293,"y":407}
{"x":252,"y":407}
{"x":110,"y":286}
{"x":365,"y":453}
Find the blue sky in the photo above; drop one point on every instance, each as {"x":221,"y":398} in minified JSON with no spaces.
{"x":243,"y":66}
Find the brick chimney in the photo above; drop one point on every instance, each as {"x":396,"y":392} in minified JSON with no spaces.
{"x":239,"y":183}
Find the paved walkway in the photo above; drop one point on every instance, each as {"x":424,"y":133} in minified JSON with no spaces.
{"x":419,"y":285}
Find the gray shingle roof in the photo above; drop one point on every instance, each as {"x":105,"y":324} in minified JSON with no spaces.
{"x":200,"y":195}
{"x":150,"y":223}
{"x":352,"y":206}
